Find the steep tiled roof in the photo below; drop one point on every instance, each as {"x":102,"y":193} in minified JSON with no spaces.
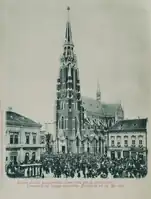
{"x":110,"y":109}
{"x":130,"y":125}
{"x":102,"y":109}
{"x":13,"y":118}
{"x":91,"y":105}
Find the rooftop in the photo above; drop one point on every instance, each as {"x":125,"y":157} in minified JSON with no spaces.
{"x":104,"y":109}
{"x":130,"y":125}
{"x":13,"y":118}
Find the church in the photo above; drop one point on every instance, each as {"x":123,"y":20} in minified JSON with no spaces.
{"x":82,"y":123}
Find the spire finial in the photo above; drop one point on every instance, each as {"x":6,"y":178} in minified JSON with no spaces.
{"x":68,"y":34}
{"x":68,"y":9}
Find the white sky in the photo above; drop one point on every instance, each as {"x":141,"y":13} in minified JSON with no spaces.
{"x":111,"y":42}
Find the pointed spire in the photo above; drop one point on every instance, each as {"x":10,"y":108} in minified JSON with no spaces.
{"x":98,"y":92}
{"x":68,"y":33}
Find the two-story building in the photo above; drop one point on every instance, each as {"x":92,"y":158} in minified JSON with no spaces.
{"x":128,"y":138}
{"x":22,"y":138}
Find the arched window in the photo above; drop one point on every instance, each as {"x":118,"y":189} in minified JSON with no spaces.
{"x":62,"y":123}
{"x":62,"y":105}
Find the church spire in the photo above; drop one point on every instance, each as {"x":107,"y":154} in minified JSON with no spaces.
{"x":68,"y":33}
{"x":98,"y":92}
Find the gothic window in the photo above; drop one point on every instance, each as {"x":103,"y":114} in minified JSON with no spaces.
{"x":62,"y":105}
{"x":62,"y":123}
{"x":66,"y":123}
{"x":77,"y":141}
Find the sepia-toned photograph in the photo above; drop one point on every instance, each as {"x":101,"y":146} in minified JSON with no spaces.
{"x":77,"y":90}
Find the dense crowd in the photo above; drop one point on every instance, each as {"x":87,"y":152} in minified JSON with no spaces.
{"x":93,"y":166}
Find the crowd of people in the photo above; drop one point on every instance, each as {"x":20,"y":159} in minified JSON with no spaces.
{"x":93,"y":166}
{"x":86,"y":166}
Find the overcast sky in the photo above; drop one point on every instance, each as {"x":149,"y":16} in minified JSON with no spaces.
{"x":111,"y":42}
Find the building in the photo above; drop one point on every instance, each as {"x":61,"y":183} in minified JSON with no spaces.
{"x":81,"y":122}
{"x":23,"y":138}
{"x":69,"y":110}
{"x":128,"y":138}
{"x":98,"y":118}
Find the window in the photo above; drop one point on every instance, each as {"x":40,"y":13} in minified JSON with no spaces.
{"x":34,"y":139}
{"x":42,"y":139}
{"x":27,"y":139}
{"x":118,"y":143}
{"x":62,"y":123}
{"x":16,"y":139}
{"x":112,"y":142}
{"x":125,"y":142}
{"x":133,"y":142}
{"x":119,"y":154}
{"x":140,"y":142}
{"x":11,"y":139}
{"x":62,"y":105}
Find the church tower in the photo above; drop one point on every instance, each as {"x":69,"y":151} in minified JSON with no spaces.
{"x":69,"y":111}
